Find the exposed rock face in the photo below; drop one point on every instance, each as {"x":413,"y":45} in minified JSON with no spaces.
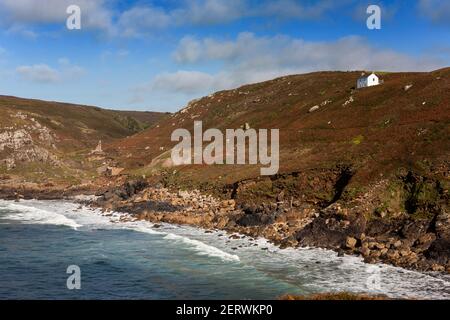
{"x":27,"y":143}
{"x":14,"y":139}
{"x":14,"y":190}
{"x":402,"y":241}
{"x":98,"y":150}
{"x":413,"y":240}
{"x":443,"y":224}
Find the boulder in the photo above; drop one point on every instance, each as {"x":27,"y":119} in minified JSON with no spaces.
{"x":114,"y":171}
{"x":397,"y":244}
{"x":365,"y":251}
{"x":351,"y":242}
{"x":407,"y":87}
{"x":437,"y":267}
{"x":393,"y":255}
{"x":183,"y":194}
{"x":315,"y":108}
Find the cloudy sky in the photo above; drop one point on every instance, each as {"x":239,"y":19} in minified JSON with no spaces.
{"x":157,"y":55}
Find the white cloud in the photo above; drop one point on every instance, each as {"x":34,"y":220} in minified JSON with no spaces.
{"x":438,"y":11}
{"x":145,"y":18}
{"x":291,"y":9}
{"x":201,"y":12}
{"x":207,"y":12}
{"x":178,"y":85}
{"x":185,"y":82}
{"x":249,"y":59}
{"x":137,"y":20}
{"x":189,"y":50}
{"x":252,"y":52}
{"x":43,"y":73}
{"x":141,"y":20}
{"x":19,"y":13}
{"x":18,"y":29}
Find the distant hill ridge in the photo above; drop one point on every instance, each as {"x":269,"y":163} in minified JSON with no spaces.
{"x":324,"y":122}
{"x":40,"y":136}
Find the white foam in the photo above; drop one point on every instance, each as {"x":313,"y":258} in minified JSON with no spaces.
{"x":147,"y":227}
{"x":29,"y":214}
{"x":84,"y":197}
{"x":321,"y":270}
{"x":350,"y":273}
{"x":76,"y":216}
{"x":202,"y":248}
{"x":316,"y":270}
{"x":141,"y":226}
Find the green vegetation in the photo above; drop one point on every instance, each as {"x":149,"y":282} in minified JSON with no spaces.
{"x":352,"y":192}
{"x":66,"y":132}
{"x":420,"y":197}
{"x":358,"y":140}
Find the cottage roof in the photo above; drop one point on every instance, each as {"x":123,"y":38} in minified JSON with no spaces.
{"x":365,"y":76}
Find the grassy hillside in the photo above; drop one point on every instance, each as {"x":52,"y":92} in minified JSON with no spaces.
{"x":39,"y":138}
{"x":85,"y":125}
{"x":374,"y":131}
{"x":148,"y":118}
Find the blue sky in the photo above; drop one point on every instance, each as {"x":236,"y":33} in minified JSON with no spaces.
{"x":158,"y":55}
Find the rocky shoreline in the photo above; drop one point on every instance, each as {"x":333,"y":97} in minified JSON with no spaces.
{"x":403,"y":242}
{"x":421,"y":245}
{"x":29,"y":191}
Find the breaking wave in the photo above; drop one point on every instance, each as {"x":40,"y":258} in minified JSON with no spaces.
{"x":314,"y":270}
{"x":202,"y":248}
{"x":29,"y":214}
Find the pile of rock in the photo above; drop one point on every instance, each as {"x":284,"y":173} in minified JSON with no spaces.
{"x":277,"y":222}
{"x":190,"y":201}
{"x":394,"y":251}
{"x":158,"y":204}
{"x":400,"y":241}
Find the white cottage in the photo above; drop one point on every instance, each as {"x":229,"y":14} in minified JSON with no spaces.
{"x":368,"y":81}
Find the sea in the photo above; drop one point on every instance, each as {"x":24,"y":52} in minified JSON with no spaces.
{"x":48,"y":246}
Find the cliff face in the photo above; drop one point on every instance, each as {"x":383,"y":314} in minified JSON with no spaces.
{"x":28,"y":141}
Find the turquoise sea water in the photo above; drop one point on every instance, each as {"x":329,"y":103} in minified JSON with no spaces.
{"x":134,"y":260}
